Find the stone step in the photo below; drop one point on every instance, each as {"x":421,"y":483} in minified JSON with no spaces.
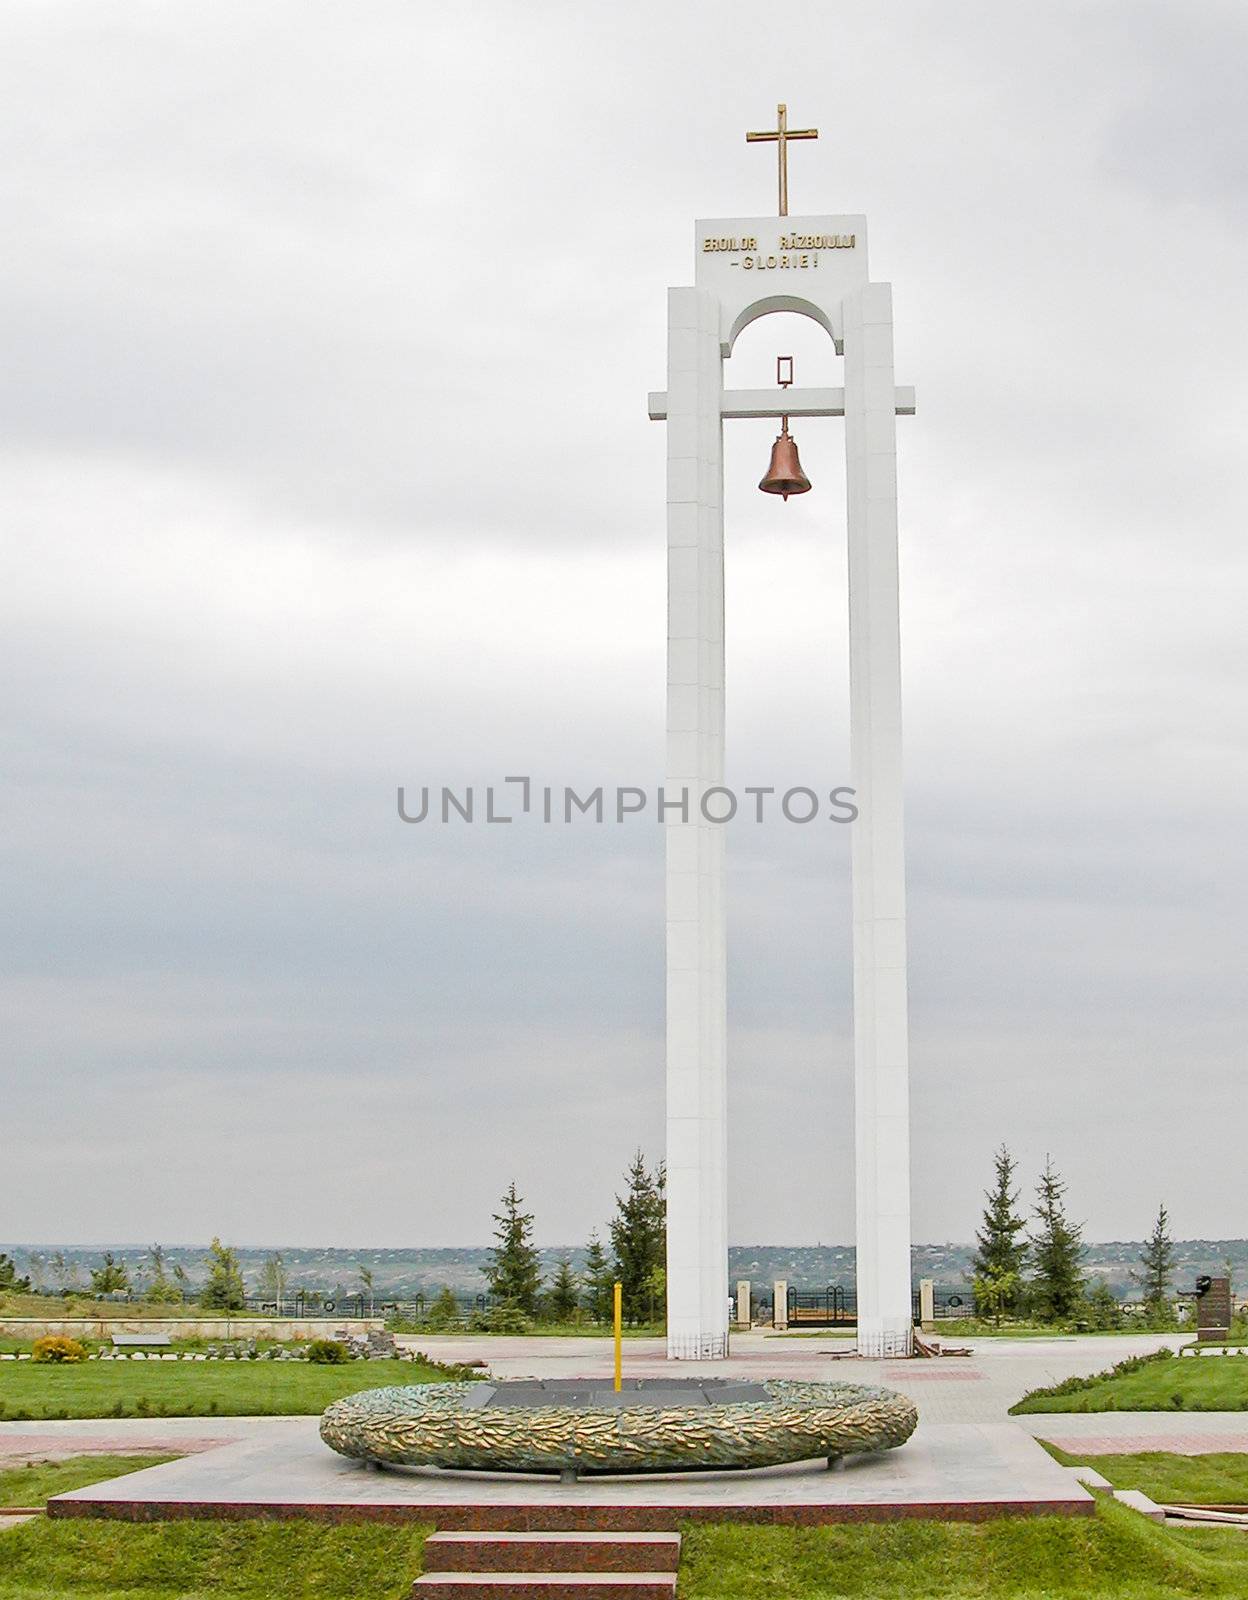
{"x":550,"y":1585}
{"x":552,"y":1552}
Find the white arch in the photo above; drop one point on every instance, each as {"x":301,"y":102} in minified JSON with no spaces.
{"x":787,"y":302}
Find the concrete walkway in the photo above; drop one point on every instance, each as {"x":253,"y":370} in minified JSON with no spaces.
{"x":1104,"y":1433}
{"x":119,"y":1436}
{"x":976,"y":1389}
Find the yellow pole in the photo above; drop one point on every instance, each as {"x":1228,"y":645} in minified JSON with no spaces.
{"x":619,"y":1337}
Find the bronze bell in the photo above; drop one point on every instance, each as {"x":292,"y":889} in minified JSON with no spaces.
{"x":784,"y":476}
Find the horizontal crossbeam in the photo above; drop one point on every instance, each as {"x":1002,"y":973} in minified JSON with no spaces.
{"x":780,"y":403}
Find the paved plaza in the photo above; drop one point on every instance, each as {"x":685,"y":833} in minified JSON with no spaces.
{"x":967,"y":1458}
{"x":281,"y":1467}
{"x":977,"y":1388}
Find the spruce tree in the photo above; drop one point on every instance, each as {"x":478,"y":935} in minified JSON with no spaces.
{"x":639,"y":1240}
{"x":111,"y":1276}
{"x":445,"y":1308}
{"x":563,"y":1299}
{"x":223,"y":1290}
{"x":599,"y":1280}
{"x":514,"y":1273}
{"x":1157,"y":1269}
{"x":1056,"y":1248}
{"x":1001,"y":1255}
{"x":366,"y":1283}
{"x":162,"y":1291}
{"x":1104,"y":1312}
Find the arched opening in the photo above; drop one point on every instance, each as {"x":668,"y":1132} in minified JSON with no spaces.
{"x":787,"y":303}
{"x":788,"y":892}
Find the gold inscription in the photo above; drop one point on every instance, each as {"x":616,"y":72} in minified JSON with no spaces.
{"x":794,"y":251}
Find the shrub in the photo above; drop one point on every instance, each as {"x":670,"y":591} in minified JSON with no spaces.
{"x":458,"y":1370}
{"x":508,"y":1318}
{"x":505,"y":1317}
{"x":444,"y":1312}
{"x":328,"y":1352}
{"x":56,"y":1347}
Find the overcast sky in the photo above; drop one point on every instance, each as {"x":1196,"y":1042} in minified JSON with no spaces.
{"x":327,"y":334}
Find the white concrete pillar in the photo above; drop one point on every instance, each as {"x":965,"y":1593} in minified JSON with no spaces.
{"x":697,"y":1192}
{"x":881,"y":1052}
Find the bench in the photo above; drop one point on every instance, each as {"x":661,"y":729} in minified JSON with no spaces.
{"x":140,"y":1341}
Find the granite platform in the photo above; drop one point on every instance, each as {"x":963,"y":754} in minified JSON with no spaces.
{"x":282,"y":1470}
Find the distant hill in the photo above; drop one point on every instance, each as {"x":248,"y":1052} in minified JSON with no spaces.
{"x":399,"y":1273}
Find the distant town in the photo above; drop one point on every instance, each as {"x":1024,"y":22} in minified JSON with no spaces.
{"x":402,"y":1272}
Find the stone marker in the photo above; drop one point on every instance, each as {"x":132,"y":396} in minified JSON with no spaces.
{"x":1213,"y":1308}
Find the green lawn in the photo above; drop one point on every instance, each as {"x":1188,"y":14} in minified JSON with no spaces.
{"x":190,"y":1389}
{"x":1173,"y":1383}
{"x":207,"y":1561}
{"x":1198,"y":1480}
{"x":33,"y":1482}
{"x":975,"y":1328}
{"x":1115,"y":1555}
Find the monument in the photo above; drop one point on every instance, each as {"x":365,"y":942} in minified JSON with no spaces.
{"x":575,"y":1427}
{"x":746,"y":268}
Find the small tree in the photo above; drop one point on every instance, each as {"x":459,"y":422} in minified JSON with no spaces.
{"x":1157,"y":1270}
{"x":996,"y":1293}
{"x":273,"y":1279}
{"x":9,"y":1278}
{"x":598,"y":1281}
{"x":639,"y":1238}
{"x":445,"y":1309}
{"x":60,"y":1270}
{"x":366,"y":1279}
{"x":1056,"y":1252}
{"x":162,"y":1291}
{"x":110,"y":1277}
{"x":514,"y":1272}
{"x":223,"y":1289}
{"x":563,"y":1297}
{"x":1104,"y":1312}
{"x":1002,"y":1250}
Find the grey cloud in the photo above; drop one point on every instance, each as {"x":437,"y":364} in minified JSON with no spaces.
{"x":327,"y":339}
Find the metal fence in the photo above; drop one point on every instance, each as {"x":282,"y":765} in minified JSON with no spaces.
{"x":836,"y":1306}
{"x":417,"y":1308}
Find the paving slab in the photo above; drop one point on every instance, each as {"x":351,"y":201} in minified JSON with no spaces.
{"x":119,"y":1436}
{"x":1104,"y":1433}
{"x":960,"y":1471}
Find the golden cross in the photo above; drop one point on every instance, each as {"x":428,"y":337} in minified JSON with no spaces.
{"x":782,"y":134}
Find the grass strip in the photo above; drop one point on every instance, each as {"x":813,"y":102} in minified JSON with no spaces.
{"x":34,"y":1391}
{"x":34,"y":1482}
